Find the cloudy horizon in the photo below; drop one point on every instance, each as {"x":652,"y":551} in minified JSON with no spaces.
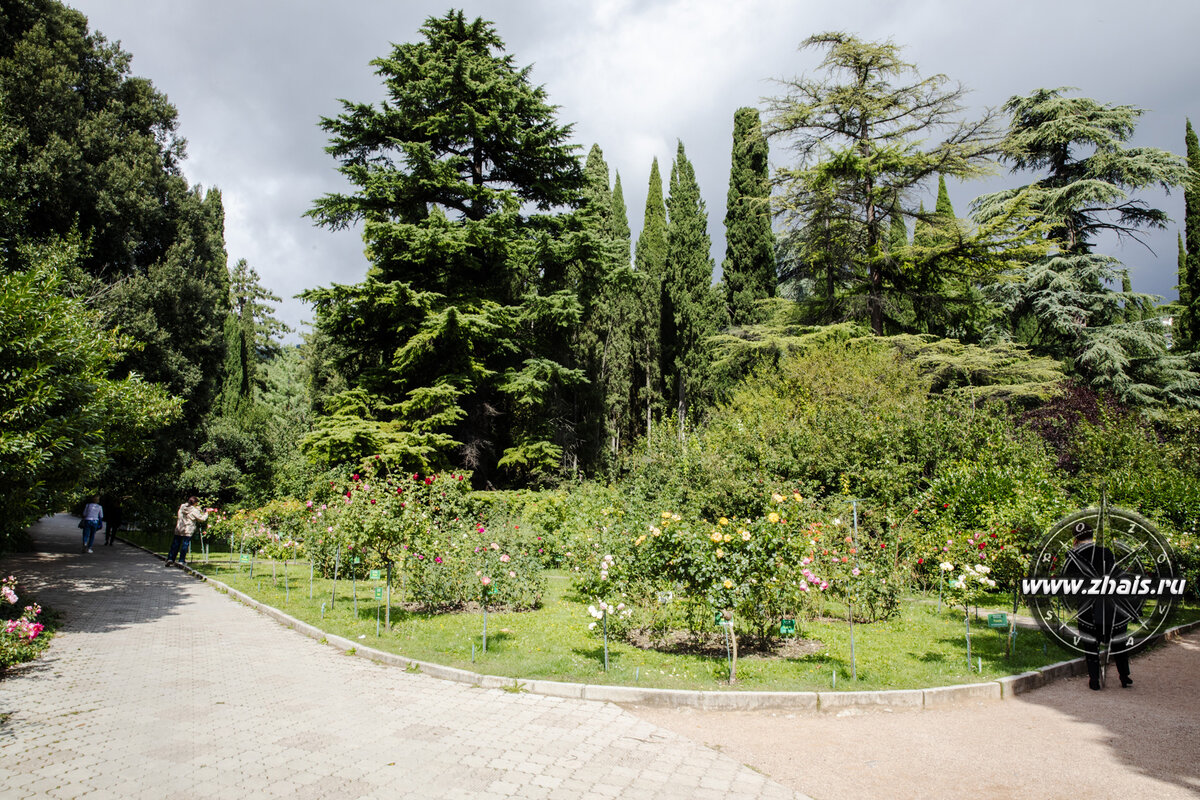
{"x":251,"y":81}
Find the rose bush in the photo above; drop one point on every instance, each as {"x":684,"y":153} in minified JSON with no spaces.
{"x":20,"y":630}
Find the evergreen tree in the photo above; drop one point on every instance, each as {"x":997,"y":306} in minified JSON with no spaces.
{"x":621,"y":307}
{"x":941,"y":282}
{"x":650,"y":264}
{"x":861,"y":140}
{"x":452,"y":346}
{"x":605,"y":292}
{"x":1182,"y":325}
{"x":691,"y":310}
{"x":748,"y":271}
{"x":252,"y":334}
{"x":1064,"y":304}
{"x":1189,"y":278}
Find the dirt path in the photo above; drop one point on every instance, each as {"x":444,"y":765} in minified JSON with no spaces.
{"x":1061,"y":741}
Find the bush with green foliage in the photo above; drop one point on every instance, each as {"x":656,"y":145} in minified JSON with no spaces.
{"x":62,"y":417}
{"x":280,"y":529}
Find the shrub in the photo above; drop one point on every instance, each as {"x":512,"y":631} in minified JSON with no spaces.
{"x":21,"y":631}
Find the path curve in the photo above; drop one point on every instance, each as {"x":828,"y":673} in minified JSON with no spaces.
{"x":158,"y":686}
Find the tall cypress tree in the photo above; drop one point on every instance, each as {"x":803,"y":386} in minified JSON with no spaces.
{"x":1189,"y":280}
{"x":691,"y":311}
{"x":650,"y":265}
{"x":606,"y":292}
{"x":622,"y":309}
{"x":1180,"y":334}
{"x":748,"y":270}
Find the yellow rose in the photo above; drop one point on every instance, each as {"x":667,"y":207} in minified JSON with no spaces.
{"x":723,"y":521}
{"x":720,"y":553}
{"x":772,"y":517}
{"x":666,"y":515}
{"x":777,"y":497}
{"x":728,"y":538}
{"x":716,"y":536}
{"x":728,"y":584}
{"x":796,"y":496}
{"x":640,"y":539}
{"x":745,"y":536}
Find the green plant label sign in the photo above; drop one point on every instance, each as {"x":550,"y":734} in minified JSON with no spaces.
{"x":355,"y":560}
{"x":378,"y":592}
{"x":375,"y":575}
{"x":787,"y":626}
{"x":997,"y":620}
{"x":244,"y":558}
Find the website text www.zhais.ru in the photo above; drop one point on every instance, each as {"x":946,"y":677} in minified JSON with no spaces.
{"x":1102,"y":587}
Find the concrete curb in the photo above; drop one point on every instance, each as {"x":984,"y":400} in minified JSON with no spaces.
{"x":1004,"y":688}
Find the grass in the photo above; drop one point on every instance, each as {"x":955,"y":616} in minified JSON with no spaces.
{"x":919,"y":648}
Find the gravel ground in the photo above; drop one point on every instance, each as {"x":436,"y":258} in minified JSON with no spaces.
{"x":1060,"y":741}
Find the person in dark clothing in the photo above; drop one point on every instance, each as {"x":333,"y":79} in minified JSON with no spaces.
{"x":112,"y":518}
{"x":1101,"y":617}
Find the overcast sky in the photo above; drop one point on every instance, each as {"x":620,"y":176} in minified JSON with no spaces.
{"x":252,"y":78}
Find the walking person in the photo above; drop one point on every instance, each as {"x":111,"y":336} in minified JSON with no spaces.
{"x":189,"y":516}
{"x":112,"y":518}
{"x":1100,"y":618}
{"x":93,"y":520}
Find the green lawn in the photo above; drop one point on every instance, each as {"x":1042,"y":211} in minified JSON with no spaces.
{"x":919,"y":648}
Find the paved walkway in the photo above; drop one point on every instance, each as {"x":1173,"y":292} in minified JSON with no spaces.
{"x":158,"y":686}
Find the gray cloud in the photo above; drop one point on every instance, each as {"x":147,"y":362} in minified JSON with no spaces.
{"x":252,"y":79}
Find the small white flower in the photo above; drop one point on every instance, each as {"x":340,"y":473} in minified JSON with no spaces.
{"x":946,"y":566}
{"x":591,"y":626}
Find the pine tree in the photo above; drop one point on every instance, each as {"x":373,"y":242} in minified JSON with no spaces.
{"x":1063,"y":304}
{"x":748,"y":271}
{"x":650,"y":264}
{"x":862,"y":142}
{"x":691,"y":310}
{"x":453,"y":346}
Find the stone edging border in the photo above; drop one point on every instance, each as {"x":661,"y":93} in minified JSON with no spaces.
{"x":936,"y":697}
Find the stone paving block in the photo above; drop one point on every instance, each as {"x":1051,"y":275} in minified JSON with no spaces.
{"x":968,"y":693}
{"x":890,"y":698}
{"x":1013,"y":685}
{"x":194,"y":694}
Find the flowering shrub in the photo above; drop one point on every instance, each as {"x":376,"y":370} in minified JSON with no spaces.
{"x":466,"y":566}
{"x":421,"y":525}
{"x":20,"y":631}
{"x":276,"y":530}
{"x":966,"y":582}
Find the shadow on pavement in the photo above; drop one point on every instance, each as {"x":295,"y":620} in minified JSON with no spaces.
{"x":1152,"y":727}
{"x":111,"y":588}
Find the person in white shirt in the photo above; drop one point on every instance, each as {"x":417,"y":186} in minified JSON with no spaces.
{"x":93,"y":520}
